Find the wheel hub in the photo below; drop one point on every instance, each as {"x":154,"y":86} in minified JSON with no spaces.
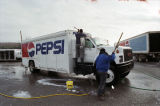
{"x":110,"y":77}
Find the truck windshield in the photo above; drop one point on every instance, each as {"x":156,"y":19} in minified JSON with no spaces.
{"x":100,"y":41}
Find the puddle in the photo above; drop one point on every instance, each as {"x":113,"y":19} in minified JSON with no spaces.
{"x":58,"y":83}
{"x":157,"y":96}
{"x":19,"y":72}
{"x":50,"y":82}
{"x":3,"y":72}
{"x":141,"y":80}
{"x":24,"y":94}
{"x":13,"y":72}
{"x":93,"y":93}
{"x":90,"y":76}
{"x":73,"y":91}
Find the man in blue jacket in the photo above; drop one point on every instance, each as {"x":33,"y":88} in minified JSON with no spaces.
{"x":102,"y":65}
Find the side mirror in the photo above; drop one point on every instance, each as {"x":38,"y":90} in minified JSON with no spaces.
{"x":99,"y":48}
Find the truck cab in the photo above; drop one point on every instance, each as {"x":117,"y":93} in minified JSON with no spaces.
{"x":119,"y":68}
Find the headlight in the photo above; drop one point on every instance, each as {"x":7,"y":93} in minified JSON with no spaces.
{"x":120,"y":59}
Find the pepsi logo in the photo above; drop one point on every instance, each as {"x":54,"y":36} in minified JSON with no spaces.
{"x":31,"y":49}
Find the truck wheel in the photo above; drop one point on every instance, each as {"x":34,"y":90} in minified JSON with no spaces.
{"x":112,"y":77}
{"x":134,"y":58}
{"x":146,"y":60}
{"x":32,"y":67}
{"x":140,"y":60}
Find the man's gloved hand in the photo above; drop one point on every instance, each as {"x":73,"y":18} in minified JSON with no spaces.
{"x":81,"y":47}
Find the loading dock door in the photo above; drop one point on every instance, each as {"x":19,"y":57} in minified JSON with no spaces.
{"x":154,"y":42}
{"x":6,"y":55}
{"x":12,"y":55}
{"x":1,"y":55}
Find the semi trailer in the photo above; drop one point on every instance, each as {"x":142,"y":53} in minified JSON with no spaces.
{"x":10,"y":51}
{"x":10,"y":55}
{"x":57,"y":52}
{"x":145,"y":47}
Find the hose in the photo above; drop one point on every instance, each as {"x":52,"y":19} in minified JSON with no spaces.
{"x":43,"y":96}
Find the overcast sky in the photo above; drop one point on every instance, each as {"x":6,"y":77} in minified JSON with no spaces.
{"x":103,"y":18}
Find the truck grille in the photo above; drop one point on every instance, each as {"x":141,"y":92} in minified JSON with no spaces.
{"x":128,"y":54}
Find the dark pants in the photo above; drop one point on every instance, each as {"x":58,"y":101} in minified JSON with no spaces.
{"x":77,"y":50}
{"x":101,"y":78}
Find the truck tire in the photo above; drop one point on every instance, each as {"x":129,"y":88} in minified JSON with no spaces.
{"x":32,"y":67}
{"x":139,"y":59}
{"x":112,"y":77}
{"x":146,"y":60}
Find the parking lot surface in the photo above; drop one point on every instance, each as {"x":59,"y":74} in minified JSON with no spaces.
{"x":140,"y":88}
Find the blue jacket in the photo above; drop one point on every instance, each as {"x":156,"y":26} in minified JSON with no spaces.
{"x":103,"y":62}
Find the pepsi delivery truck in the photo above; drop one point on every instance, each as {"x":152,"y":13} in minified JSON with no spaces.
{"x":57,"y":52}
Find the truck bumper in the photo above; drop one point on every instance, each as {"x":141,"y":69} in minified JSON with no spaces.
{"x":125,"y":67}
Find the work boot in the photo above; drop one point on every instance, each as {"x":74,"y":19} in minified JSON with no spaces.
{"x":101,"y":98}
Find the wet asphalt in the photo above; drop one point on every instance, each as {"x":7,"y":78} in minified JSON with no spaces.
{"x":134,"y":90}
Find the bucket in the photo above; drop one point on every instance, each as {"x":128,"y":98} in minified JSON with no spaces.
{"x":69,"y":85}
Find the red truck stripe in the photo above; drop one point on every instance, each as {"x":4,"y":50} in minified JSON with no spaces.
{"x":24,"y":50}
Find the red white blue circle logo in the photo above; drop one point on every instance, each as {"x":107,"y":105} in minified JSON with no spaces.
{"x":31,"y":49}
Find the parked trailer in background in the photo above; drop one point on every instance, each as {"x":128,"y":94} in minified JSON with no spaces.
{"x":10,"y":54}
{"x":146,"y":46}
{"x":57,"y":52}
{"x":10,"y":51}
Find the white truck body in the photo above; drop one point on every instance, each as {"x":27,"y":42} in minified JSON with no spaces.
{"x":47,"y":59}
{"x":56,"y":52}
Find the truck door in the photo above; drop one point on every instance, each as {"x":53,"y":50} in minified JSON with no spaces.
{"x":90,"y":51}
